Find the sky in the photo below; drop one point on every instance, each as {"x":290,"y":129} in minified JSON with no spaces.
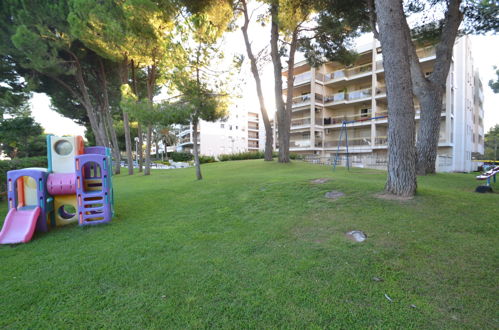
{"x":485,"y":50}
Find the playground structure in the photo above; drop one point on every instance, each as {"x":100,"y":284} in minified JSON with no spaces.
{"x":488,"y":175}
{"x":76,"y":187}
{"x":344,"y":132}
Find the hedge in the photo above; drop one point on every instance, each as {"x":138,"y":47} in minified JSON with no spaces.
{"x":17,"y":164}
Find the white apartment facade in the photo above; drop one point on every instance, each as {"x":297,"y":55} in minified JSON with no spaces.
{"x":239,"y":132}
{"x":325,"y":96}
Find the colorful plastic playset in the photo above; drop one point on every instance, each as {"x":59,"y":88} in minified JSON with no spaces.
{"x":75,"y":188}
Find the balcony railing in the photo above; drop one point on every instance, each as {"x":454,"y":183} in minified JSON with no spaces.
{"x":300,"y":122}
{"x":348,"y":73}
{"x":381,"y":140}
{"x":306,"y":76}
{"x":299,"y":144}
{"x":360,"y":94}
{"x":338,"y":97}
{"x":352,"y":142}
{"x":185,"y":140}
{"x":252,"y":126}
{"x":305,"y":99}
{"x":253,"y":135}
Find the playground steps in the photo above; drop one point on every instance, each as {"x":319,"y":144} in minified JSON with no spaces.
{"x":93,"y":188}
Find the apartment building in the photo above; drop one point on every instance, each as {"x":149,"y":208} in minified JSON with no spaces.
{"x":239,"y":132}
{"x":326,"y":96}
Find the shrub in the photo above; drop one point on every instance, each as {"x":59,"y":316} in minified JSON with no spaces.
{"x":206,"y":159}
{"x":17,"y":164}
{"x":181,"y":156}
{"x":295,"y":156}
{"x":241,"y":156}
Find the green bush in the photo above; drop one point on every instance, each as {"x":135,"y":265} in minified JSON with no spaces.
{"x":17,"y":164}
{"x":241,"y":156}
{"x":295,"y":156}
{"x":253,"y":155}
{"x":163,"y":162}
{"x":206,"y":159}
{"x":181,"y":156}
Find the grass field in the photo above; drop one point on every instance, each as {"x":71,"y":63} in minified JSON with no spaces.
{"x":256,"y":245}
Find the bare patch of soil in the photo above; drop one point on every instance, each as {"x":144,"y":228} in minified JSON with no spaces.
{"x":320,"y":181}
{"x":334,"y":194}
{"x":391,"y":197}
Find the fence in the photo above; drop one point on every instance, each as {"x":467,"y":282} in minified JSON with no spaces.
{"x":378,"y":162}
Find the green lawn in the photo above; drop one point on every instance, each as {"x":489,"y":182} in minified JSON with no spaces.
{"x":256,"y":245}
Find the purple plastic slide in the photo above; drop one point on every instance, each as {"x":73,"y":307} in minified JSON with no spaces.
{"x":19,"y":225}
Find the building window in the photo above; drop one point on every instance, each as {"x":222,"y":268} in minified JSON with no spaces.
{"x":236,"y":127}
{"x":364,"y":112}
{"x":230,"y":127}
{"x":222,"y":125}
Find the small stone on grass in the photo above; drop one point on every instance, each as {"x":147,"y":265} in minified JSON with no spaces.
{"x":357,"y":235}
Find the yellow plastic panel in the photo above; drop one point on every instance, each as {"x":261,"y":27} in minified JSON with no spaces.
{"x":65,"y":209}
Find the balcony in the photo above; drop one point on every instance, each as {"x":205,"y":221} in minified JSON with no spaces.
{"x":348,"y":96}
{"x":253,"y":126}
{"x":253,"y":118}
{"x":338,"y":97}
{"x":253,"y":144}
{"x":303,"y":100}
{"x":300,"y":144}
{"x":352,"y":142}
{"x":360,"y":94}
{"x":253,"y":135}
{"x":348,"y":74}
{"x":185,"y":140}
{"x":356,"y":118}
{"x":300,"y":122}
{"x":381,"y":140}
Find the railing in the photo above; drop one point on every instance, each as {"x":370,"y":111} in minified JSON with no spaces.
{"x":348,"y":73}
{"x":185,"y":140}
{"x":253,"y":118}
{"x":299,"y":144}
{"x":360,"y":94}
{"x":359,"y":70}
{"x":352,"y":142}
{"x":252,"y":126}
{"x":338,"y":97}
{"x":253,"y":135}
{"x":305,"y":99}
{"x":300,"y":122}
{"x":381,"y":140}
{"x":302,"y":77}
{"x":253,"y":144}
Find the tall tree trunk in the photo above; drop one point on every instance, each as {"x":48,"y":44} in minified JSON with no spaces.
{"x":430,"y":90}
{"x":289,"y":95}
{"x":256,"y":75}
{"x":140,"y":152}
{"x":151,"y":82}
{"x":283,"y":138}
{"x":147,"y":170}
{"x":97,"y":128}
{"x":195,"y":123}
{"x":139,"y":126}
{"x":111,"y":132}
{"x":126,"y":121}
{"x":429,"y":131}
{"x":401,"y":178}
